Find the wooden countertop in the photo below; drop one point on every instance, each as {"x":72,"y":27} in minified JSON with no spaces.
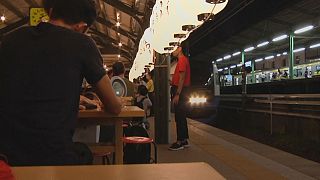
{"x":174,"y":171}
{"x":127,"y":111}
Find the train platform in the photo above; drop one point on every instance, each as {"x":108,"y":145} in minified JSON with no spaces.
{"x":236,"y":157}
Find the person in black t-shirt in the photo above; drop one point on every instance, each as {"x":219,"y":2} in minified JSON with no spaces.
{"x":41,"y":72}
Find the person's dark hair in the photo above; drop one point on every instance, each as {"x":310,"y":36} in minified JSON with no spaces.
{"x":71,"y":11}
{"x":142,"y":90}
{"x":118,"y":68}
{"x":185,"y":48}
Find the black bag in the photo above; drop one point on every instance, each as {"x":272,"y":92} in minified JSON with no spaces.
{"x":136,"y":153}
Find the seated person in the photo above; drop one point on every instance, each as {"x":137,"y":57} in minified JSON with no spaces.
{"x":142,"y":100}
{"x":118,"y":69}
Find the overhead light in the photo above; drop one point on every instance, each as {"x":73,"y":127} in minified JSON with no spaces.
{"x":205,"y":16}
{"x":188,"y":27}
{"x":212,"y":62}
{"x":239,"y":65}
{"x":278,"y":55}
{"x":174,"y":43}
{"x":120,"y":44}
{"x":284,"y":53}
{"x":119,"y":55}
{"x":299,"y":50}
{"x":258,"y":60}
{"x":279,"y":38}
{"x":227,"y":57}
{"x":315,"y":46}
{"x":226,"y":68}
{"x":215,"y":1}
{"x":219,"y":70}
{"x":118,"y":34}
{"x":234,"y":66}
{"x":304,"y":29}
{"x":179,"y":35}
{"x":3,"y":18}
{"x":249,"y":49}
{"x":118,"y":16}
{"x":168,"y":48}
{"x":236,"y":53}
{"x":269,"y":57}
{"x":218,"y":60}
{"x":263,"y":44}
{"x":118,"y":24}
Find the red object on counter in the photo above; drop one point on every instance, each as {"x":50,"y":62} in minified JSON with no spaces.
{"x":5,"y":171}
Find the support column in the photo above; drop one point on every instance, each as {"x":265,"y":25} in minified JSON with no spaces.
{"x":291,"y":56}
{"x":242,"y":57}
{"x":253,"y":74}
{"x":161,"y":99}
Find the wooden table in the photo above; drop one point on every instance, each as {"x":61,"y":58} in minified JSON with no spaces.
{"x":94,"y":117}
{"x":174,"y":171}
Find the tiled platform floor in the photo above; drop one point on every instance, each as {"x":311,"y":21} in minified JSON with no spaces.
{"x":236,"y":157}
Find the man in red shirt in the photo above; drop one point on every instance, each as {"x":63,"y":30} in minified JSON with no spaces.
{"x":180,"y":83}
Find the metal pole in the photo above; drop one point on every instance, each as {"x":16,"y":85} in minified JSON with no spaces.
{"x":253,"y":74}
{"x":291,"y":56}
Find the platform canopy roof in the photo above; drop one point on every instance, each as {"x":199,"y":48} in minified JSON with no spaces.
{"x":246,"y":23}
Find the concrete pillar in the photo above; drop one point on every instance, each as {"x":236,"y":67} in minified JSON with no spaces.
{"x":161,"y":99}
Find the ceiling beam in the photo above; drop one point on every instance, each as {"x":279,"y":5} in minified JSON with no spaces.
{"x":14,"y":26}
{"x":120,"y":30}
{"x":32,"y":3}
{"x":126,"y":9}
{"x":9,"y":5}
{"x":281,"y":22}
{"x":123,"y":53}
{"x":111,"y":40}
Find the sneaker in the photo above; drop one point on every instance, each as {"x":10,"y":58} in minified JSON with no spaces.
{"x":185,"y":144}
{"x":176,"y":146}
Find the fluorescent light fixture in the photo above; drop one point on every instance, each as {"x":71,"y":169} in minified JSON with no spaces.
{"x":263,"y":44}
{"x":212,"y":62}
{"x":218,"y":60}
{"x":227,"y":57}
{"x":258,"y":60}
{"x":219,"y":70}
{"x":279,"y":38}
{"x":209,"y":79}
{"x":226,"y":68}
{"x":315,"y":46}
{"x":304,"y":29}
{"x":234,"y":66}
{"x":269,"y":57}
{"x":299,"y":50}
{"x":284,"y":53}
{"x":236,"y":53}
{"x":239,"y":65}
{"x":278,"y":55}
{"x":249,"y":49}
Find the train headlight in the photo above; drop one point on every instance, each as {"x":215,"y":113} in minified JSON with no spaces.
{"x":197,"y":100}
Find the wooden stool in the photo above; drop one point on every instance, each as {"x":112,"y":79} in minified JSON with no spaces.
{"x":142,"y":140}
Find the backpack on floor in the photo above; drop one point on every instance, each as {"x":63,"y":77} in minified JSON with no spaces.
{"x":136,"y":153}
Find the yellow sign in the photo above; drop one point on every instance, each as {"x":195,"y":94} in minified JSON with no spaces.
{"x":37,"y":15}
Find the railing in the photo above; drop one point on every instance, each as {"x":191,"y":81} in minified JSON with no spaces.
{"x":296,"y":105}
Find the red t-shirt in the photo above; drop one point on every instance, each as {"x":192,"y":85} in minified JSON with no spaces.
{"x":182,"y":66}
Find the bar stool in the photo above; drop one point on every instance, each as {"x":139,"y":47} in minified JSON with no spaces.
{"x":142,"y":140}
{"x":104,"y":156}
